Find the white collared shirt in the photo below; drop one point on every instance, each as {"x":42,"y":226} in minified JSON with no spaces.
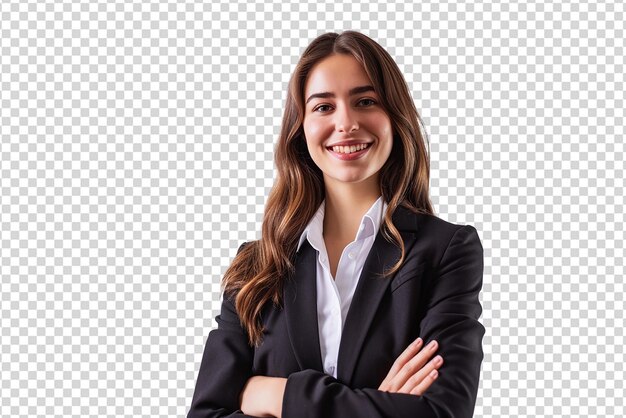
{"x":334,"y":296}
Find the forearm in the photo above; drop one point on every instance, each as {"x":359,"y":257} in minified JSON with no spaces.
{"x":262,"y":396}
{"x":311,"y":394}
{"x":279,"y":393}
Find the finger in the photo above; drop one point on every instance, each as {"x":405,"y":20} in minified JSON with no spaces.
{"x":425,"y":384}
{"x":406,"y":355}
{"x":414,"y":365}
{"x":422,"y":375}
{"x":402,"y":359}
{"x":397,"y":381}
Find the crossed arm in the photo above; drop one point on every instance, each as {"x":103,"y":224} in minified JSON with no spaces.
{"x":226,"y":388}
{"x":411,"y":373}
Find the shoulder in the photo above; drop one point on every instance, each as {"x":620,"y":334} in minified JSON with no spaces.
{"x":433,"y":223}
{"x":452,"y":240}
{"x":435,"y":230}
{"x":406,"y":219}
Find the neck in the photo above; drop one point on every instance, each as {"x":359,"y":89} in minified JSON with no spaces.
{"x":346,"y":203}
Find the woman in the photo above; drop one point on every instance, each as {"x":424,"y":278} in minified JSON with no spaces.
{"x":357,"y":301}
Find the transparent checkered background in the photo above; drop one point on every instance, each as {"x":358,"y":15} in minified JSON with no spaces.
{"x":136,"y":148}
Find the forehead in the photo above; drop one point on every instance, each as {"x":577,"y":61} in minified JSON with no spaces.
{"x":336,"y":74}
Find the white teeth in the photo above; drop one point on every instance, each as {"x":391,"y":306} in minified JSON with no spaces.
{"x":350,"y":149}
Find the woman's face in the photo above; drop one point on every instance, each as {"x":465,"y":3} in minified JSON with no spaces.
{"x":347,"y":111}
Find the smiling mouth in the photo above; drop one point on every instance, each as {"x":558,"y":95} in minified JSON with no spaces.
{"x":349,"y":149}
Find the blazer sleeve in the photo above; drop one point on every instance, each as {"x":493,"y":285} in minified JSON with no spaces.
{"x":451,"y":318}
{"x":225,"y":368}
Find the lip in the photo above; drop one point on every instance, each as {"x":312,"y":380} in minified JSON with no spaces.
{"x":352,"y":156}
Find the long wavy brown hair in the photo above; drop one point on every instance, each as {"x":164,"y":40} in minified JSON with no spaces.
{"x":256,"y":274}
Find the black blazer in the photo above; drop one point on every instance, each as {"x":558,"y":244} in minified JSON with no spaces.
{"x":434,"y":295}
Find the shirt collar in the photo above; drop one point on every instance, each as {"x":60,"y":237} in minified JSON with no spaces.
{"x":370,"y":223}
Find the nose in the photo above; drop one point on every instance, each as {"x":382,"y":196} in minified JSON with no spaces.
{"x":346,"y":119}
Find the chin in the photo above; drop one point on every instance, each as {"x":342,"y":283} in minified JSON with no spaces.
{"x":349,"y":179}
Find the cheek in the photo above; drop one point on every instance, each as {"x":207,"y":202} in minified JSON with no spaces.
{"x":385,"y":131}
{"x":385,"y":134}
{"x":385,"y":124}
{"x":310,"y":136}
{"x":311,"y":130}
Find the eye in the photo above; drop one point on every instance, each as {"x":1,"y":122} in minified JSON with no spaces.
{"x":367,"y":100}
{"x":319,"y":107}
{"x":364,"y":103}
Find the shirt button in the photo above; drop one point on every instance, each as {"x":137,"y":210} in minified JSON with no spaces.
{"x":351,"y":255}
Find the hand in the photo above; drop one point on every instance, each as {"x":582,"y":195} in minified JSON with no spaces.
{"x":410,"y":374}
{"x":262,"y":396}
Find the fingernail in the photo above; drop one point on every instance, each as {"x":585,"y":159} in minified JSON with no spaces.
{"x":438,"y":360}
{"x":417,"y":342}
{"x":434,"y":374}
{"x":432,"y":344}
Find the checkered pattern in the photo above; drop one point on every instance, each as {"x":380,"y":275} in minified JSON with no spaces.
{"x":136,"y":146}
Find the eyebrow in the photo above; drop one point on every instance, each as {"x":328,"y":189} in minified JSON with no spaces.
{"x":352,"y":92}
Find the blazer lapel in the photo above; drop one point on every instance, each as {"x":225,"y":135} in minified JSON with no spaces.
{"x":300,"y":300}
{"x":370,"y":290}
